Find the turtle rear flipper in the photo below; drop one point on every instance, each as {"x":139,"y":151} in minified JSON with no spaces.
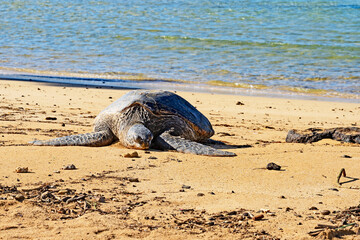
{"x":93,"y":139}
{"x":166,"y":141}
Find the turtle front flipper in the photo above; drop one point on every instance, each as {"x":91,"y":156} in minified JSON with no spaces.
{"x":93,"y":139}
{"x":166,"y":141}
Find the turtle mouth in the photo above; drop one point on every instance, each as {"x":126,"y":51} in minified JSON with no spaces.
{"x":143,"y":143}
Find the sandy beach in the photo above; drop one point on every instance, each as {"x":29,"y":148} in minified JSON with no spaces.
{"x":171,"y":195}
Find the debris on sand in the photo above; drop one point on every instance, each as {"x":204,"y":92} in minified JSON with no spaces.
{"x":51,"y":118}
{"x":344,"y":134}
{"x":340,"y":224}
{"x":22,"y":170}
{"x":132,"y":155}
{"x":273,"y":166}
{"x":69,"y":167}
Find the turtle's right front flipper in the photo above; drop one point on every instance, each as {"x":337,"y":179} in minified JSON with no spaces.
{"x":93,"y":139}
{"x":166,"y":141}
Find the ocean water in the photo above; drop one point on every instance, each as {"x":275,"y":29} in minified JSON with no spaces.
{"x":310,"y":47}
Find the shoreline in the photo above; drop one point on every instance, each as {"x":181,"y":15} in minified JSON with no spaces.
{"x":138,"y":82}
{"x":148,"y":197}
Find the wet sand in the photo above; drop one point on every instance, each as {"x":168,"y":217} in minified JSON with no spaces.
{"x":171,"y":195}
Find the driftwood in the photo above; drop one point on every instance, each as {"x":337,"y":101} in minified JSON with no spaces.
{"x":344,"y":134}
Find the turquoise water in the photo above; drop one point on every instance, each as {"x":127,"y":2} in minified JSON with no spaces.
{"x":304,"y":45}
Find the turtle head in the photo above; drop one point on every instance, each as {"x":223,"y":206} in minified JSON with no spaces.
{"x":139,"y":137}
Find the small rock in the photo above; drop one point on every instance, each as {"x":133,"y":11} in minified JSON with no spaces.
{"x":50,"y":118}
{"x":282,"y":197}
{"x":19,"y":197}
{"x":152,"y":157}
{"x":273,"y":166}
{"x":100,"y":199}
{"x":200,"y":194}
{"x":186,"y":187}
{"x":240,"y":103}
{"x":258,"y":217}
{"x":133,"y":180}
{"x":325,"y":212}
{"x":69,"y":167}
{"x":22,"y":170}
{"x":132,"y":155}
{"x":313,"y":208}
{"x":334,"y":189}
{"x":346,"y":156}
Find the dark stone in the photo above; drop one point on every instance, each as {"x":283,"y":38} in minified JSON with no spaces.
{"x":51,"y":118}
{"x":325,"y":212}
{"x":273,"y":166}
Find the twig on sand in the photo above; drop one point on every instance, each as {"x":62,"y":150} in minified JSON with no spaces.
{"x":342,"y":173}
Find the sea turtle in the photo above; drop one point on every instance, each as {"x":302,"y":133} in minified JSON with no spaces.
{"x":142,"y":119}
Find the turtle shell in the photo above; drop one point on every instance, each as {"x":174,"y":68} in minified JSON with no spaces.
{"x":163,"y":103}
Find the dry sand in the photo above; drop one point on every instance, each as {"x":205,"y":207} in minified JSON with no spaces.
{"x":144,"y":197}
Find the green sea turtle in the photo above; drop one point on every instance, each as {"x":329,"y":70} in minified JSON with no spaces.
{"x":142,"y":119}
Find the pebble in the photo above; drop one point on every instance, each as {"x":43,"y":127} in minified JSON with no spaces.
{"x":239,"y":103}
{"x":258,"y":217}
{"x":313,"y":208}
{"x":22,"y":170}
{"x":132,"y":155}
{"x":50,"y":118}
{"x":133,"y":180}
{"x":19,"y":197}
{"x":273,"y":166}
{"x":200,"y":194}
{"x":100,"y":199}
{"x":346,"y":156}
{"x":152,"y":157}
{"x":69,"y":167}
{"x":325,"y":212}
{"x":186,"y":187}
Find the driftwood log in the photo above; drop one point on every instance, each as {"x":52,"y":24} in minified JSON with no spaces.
{"x":344,"y":134}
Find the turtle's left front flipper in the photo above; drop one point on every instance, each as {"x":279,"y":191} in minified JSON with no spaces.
{"x":166,"y":142}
